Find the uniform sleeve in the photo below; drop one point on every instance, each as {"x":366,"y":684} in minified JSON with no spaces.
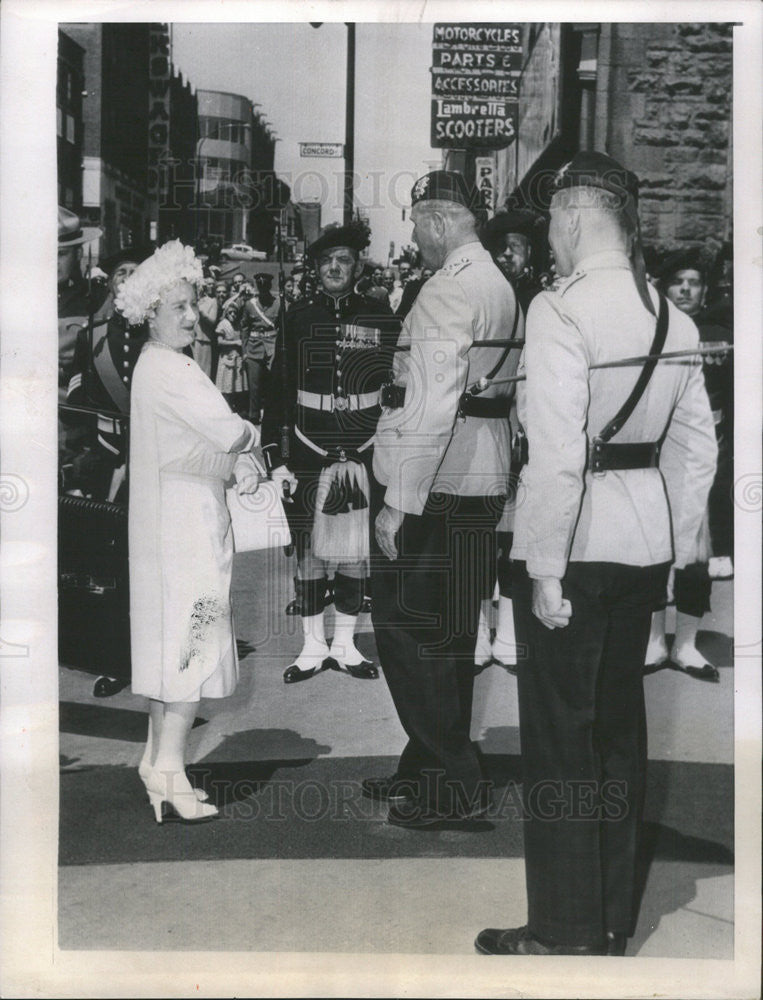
{"x":556,"y":407}
{"x":279,"y":405}
{"x":190,"y":397}
{"x":440,"y":330}
{"x":75,"y":392}
{"x":687,"y":462}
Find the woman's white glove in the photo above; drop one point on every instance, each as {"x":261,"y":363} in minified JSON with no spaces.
{"x":282,"y":475}
{"x":249,"y":474}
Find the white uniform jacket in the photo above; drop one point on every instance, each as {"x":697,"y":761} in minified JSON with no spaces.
{"x":424,"y":446}
{"x":636,"y":517}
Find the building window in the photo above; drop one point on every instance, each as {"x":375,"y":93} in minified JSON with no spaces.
{"x":70,"y":129}
{"x":60,"y":122}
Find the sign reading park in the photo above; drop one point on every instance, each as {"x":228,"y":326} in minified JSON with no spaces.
{"x":475,"y":84}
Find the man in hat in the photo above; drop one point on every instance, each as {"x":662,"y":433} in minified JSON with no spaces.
{"x":682,"y":277}
{"x":75,"y":303}
{"x":511,"y":237}
{"x":101,"y":375}
{"x":441,"y":462}
{"x":600,"y":523}
{"x":323,"y":397}
{"x":260,"y":321}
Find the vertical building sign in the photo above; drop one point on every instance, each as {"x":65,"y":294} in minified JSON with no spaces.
{"x":159,"y":72}
{"x":484,"y":178}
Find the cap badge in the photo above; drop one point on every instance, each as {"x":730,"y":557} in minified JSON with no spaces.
{"x":420,"y":187}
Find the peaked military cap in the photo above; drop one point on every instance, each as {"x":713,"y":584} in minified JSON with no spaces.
{"x":591,"y":169}
{"x":353,"y":235}
{"x":445,"y":185}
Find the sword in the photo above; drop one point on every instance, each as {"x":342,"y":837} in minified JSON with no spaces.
{"x":623,"y":363}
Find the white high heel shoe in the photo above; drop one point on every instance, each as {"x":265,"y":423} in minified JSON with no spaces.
{"x":182,"y":806}
{"x":144,"y":769}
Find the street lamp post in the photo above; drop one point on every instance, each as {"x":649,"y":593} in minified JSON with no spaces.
{"x":349,"y":123}
{"x":349,"y":126}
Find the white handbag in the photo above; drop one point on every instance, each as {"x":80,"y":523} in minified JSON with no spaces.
{"x":258,"y":519}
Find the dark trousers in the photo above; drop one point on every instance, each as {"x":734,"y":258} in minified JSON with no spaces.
{"x":583,"y":736}
{"x":425,"y":612}
{"x":257,"y":373}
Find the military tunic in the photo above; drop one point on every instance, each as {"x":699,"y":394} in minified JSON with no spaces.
{"x":338,"y":355}
{"x":610,"y":537}
{"x":449,"y":475}
{"x":104,"y":381}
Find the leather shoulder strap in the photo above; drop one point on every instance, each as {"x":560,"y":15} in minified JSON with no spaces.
{"x":109,"y":376}
{"x":504,"y":354}
{"x":629,"y":405}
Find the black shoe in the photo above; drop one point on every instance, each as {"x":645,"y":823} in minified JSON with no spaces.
{"x":391,"y":789}
{"x":413,"y":814}
{"x":104,"y":687}
{"x":365,"y":607}
{"x":520,"y":941}
{"x":707,"y":672}
{"x":616,"y":941}
{"x":293,"y":607}
{"x":652,"y":668}
{"x":293,"y":674}
{"x":363,"y":671}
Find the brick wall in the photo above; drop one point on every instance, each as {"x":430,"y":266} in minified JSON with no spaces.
{"x":669,"y":119}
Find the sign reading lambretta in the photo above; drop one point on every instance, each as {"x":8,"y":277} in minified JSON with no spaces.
{"x":475,"y":84}
{"x":491,"y":124}
{"x":332,"y":150}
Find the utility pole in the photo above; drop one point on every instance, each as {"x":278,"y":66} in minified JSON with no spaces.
{"x":349,"y":128}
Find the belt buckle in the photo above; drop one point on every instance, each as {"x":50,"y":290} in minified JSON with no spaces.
{"x":597,"y":446}
{"x":341,"y":402}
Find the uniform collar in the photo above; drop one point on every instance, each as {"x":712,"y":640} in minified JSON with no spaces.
{"x":473,"y":250}
{"x":602,"y":259}
{"x":334,"y":303}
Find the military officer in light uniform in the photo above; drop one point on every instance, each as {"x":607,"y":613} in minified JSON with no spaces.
{"x":441,"y":462}
{"x":592,"y":545}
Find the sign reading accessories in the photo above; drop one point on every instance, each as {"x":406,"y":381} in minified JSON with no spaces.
{"x":475,"y":84}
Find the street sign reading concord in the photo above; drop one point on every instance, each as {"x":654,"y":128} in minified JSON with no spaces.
{"x":333,"y":150}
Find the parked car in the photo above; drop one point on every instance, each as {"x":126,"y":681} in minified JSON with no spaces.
{"x":242,"y":251}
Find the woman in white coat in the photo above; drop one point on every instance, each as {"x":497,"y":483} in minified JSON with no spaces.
{"x":185,"y":444}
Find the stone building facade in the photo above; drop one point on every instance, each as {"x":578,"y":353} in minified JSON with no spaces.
{"x":665,"y":111}
{"x":657,"y":97}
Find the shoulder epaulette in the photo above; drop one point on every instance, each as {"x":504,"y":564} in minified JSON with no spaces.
{"x":569,"y":281}
{"x":456,"y":266}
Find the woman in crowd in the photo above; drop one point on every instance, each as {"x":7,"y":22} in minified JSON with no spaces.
{"x":185,"y":443}
{"x":231,"y":378}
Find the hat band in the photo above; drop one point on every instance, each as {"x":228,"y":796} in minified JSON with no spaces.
{"x":69,"y":238}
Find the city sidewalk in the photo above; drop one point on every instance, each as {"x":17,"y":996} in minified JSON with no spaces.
{"x":301,"y":877}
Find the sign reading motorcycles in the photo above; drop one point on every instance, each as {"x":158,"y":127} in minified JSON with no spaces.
{"x":475,"y":84}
